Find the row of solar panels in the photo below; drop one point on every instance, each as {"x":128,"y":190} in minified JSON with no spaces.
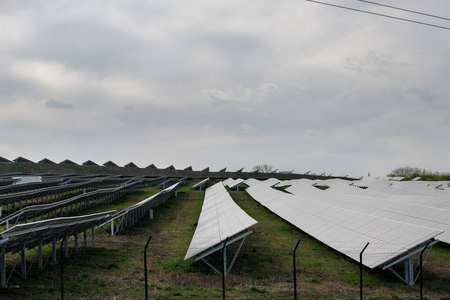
{"x":109,"y":163}
{"x":397,"y":219}
{"x":37,"y":234}
{"x":67,"y":205}
{"x":14,"y":197}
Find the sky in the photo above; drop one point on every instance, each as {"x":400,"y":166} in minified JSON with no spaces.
{"x":226,"y":84}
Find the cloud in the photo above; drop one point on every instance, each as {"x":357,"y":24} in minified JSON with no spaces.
{"x":424,"y":94}
{"x":293,"y":84}
{"x":242,"y":95}
{"x":248,"y":129}
{"x":52,"y":103}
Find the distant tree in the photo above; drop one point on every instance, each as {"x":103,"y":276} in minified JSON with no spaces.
{"x":264,"y":168}
{"x":405,"y":171}
{"x":412,"y":172}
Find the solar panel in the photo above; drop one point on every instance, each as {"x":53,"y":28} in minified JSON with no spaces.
{"x":233,"y":183}
{"x":130,"y":165}
{"x":343,"y":229}
{"x":394,"y":208}
{"x":201,"y":184}
{"x":34,"y":235}
{"x":67,"y":206}
{"x":219,"y":219}
{"x":134,"y":213}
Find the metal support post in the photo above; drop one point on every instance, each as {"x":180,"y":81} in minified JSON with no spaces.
{"x":409,"y":270}
{"x":66,"y":246}
{"x":112,"y":228}
{"x":23,"y":261}
{"x":224,"y":266}
{"x":295,"y":271}
{"x":76,"y":242}
{"x":54,"y":251}
{"x":3,"y":267}
{"x":421,"y":271}
{"x":40,"y":260}
{"x":145,"y":267}
{"x":61,"y":267}
{"x":360,"y":272}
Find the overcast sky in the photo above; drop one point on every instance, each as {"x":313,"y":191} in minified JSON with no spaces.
{"x":204,"y":83}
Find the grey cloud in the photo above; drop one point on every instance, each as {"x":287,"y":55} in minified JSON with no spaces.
{"x":55,"y":104}
{"x":424,"y":94}
{"x":371,"y":63}
{"x":262,"y":74}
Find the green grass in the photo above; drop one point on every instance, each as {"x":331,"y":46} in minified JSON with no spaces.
{"x":263,"y":269}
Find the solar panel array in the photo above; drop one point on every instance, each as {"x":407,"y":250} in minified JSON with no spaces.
{"x":131,"y":215}
{"x":200,"y":185}
{"x":342,"y":228}
{"x":23,"y":237}
{"x":65,"y":207}
{"x":413,"y":207}
{"x":219,"y":219}
{"x":233,"y":183}
{"x":64,"y":189}
{"x":50,"y":229}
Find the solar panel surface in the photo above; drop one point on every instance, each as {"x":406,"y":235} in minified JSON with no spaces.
{"x":341,"y":228}
{"x":220,"y":218}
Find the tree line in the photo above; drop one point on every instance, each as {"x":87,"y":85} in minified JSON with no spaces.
{"x":412,"y":172}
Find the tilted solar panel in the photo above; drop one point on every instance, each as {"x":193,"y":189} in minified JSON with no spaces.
{"x":343,"y":229}
{"x":219,"y":219}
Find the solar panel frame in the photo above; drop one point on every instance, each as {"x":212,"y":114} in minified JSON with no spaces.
{"x":411,"y":209}
{"x":219,"y":219}
{"x":347,"y":234}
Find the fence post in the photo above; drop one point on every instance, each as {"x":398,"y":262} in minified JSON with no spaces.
{"x":145,"y":267}
{"x":61,"y":267}
{"x":360,"y":272}
{"x":421,"y":271}
{"x":224,"y":267}
{"x":295,"y":273}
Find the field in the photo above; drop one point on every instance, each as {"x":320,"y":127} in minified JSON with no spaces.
{"x":114,"y":268}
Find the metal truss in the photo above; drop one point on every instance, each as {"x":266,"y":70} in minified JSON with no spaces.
{"x":218,"y":259}
{"x":132,"y":214}
{"x":66,"y":207}
{"x":20,"y":262}
{"x":406,"y":267}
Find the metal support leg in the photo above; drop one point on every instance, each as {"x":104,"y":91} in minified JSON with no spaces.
{"x":3,"y":267}
{"x":295,"y":271}
{"x":76,"y":242}
{"x":112,"y":228}
{"x":145,"y":267}
{"x":55,"y":259}
{"x":409,"y":271}
{"x":23,"y":261}
{"x":66,"y":247}
{"x":40,"y":260}
{"x":361,"y":273}
{"x":224,"y":266}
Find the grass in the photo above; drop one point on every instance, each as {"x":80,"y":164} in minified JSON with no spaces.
{"x":263,"y":269}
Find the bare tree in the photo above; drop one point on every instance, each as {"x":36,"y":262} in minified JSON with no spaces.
{"x":263,"y":168}
{"x":406,"y":171}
